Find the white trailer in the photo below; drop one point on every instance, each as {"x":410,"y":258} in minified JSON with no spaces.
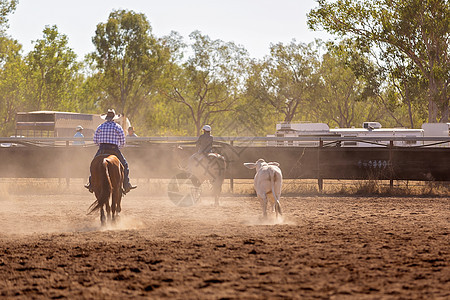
{"x":300,"y":130}
{"x":436,"y":130}
{"x":368,"y":129}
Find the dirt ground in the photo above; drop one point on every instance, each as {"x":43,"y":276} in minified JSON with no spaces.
{"x":324,"y":247}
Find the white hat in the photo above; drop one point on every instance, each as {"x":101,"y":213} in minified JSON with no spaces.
{"x":206,"y":128}
{"x":110,"y":115}
{"x":79,"y":127}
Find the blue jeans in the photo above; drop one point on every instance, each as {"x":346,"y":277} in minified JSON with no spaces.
{"x":112,"y":149}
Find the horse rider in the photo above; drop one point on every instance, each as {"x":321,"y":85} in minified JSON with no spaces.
{"x":204,"y":147}
{"x":110,"y":137}
{"x":205,"y":141}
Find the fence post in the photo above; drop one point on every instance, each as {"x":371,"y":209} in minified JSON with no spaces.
{"x":391,"y":180}
{"x":67,"y":167}
{"x":319,"y":176}
{"x":231,"y":171}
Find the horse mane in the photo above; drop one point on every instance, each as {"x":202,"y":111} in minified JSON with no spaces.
{"x":99,"y":170}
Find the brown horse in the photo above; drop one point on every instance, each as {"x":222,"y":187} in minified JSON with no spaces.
{"x":107,"y":181}
{"x":204,"y":167}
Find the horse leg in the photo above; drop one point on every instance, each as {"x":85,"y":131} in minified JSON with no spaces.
{"x":217,"y":189}
{"x":102,"y":216}
{"x":195,"y":181}
{"x":216,"y":193}
{"x":116,"y":197}
{"x":118,"y":204}
{"x":108,"y":211}
{"x":113,"y":207}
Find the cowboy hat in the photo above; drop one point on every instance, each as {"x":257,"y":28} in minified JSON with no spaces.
{"x":110,"y":115}
{"x":79,"y":127}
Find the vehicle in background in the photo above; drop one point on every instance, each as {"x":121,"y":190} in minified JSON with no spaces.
{"x":7,"y":145}
{"x":436,"y":130}
{"x":368,"y":129}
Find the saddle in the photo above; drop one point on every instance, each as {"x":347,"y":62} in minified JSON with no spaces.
{"x":214,"y":155}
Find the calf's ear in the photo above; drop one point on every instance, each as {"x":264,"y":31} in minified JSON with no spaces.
{"x":274,"y":163}
{"x":250,"y":165}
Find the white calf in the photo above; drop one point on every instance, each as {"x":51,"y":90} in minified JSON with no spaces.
{"x":268,"y":180}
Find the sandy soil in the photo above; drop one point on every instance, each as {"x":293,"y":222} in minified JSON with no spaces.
{"x":325,"y":247}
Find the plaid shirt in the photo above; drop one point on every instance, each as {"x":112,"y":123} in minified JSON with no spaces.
{"x":111,"y":133}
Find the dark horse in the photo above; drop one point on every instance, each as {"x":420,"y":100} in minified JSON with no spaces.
{"x":204,"y":167}
{"x":107,"y":181}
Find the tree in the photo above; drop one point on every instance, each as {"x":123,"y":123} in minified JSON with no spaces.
{"x":12,"y":84}
{"x":11,"y":72}
{"x":207,"y":84}
{"x":129,"y":60}
{"x":414,"y":29}
{"x":286,"y":79}
{"x":347,"y":96}
{"x":6,"y":7}
{"x":404,"y":92}
{"x":53,"y":73}
{"x":164,"y":116}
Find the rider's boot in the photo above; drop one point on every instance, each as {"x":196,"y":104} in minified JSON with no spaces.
{"x":89,"y":185}
{"x":127,"y":186}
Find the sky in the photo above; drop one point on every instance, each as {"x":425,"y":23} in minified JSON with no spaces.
{"x":253,"y":24}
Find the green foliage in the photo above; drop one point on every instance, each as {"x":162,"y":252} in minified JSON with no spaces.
{"x":405,"y":93}
{"x":207,"y":83}
{"x":52,"y":73}
{"x":286,"y":79}
{"x":129,"y":60}
{"x":349,"y":87}
{"x":393,"y":67}
{"x":414,"y":30}
{"x":12,"y":84}
{"x":6,"y":8}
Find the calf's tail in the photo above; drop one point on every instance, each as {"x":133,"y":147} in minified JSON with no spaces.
{"x":273,"y":177}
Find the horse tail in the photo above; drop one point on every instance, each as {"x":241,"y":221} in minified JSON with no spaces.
{"x":106,"y":186}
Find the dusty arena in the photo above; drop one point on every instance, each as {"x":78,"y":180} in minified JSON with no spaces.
{"x":325,"y":247}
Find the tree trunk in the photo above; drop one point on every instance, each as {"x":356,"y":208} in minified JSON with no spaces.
{"x":438,"y":102}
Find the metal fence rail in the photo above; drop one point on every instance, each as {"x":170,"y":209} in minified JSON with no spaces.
{"x":154,"y":158}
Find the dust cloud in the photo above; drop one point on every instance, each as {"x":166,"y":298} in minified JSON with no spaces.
{"x":31,"y":206}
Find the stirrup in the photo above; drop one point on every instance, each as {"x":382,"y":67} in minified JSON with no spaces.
{"x":129,"y":188}
{"x":89,"y":187}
